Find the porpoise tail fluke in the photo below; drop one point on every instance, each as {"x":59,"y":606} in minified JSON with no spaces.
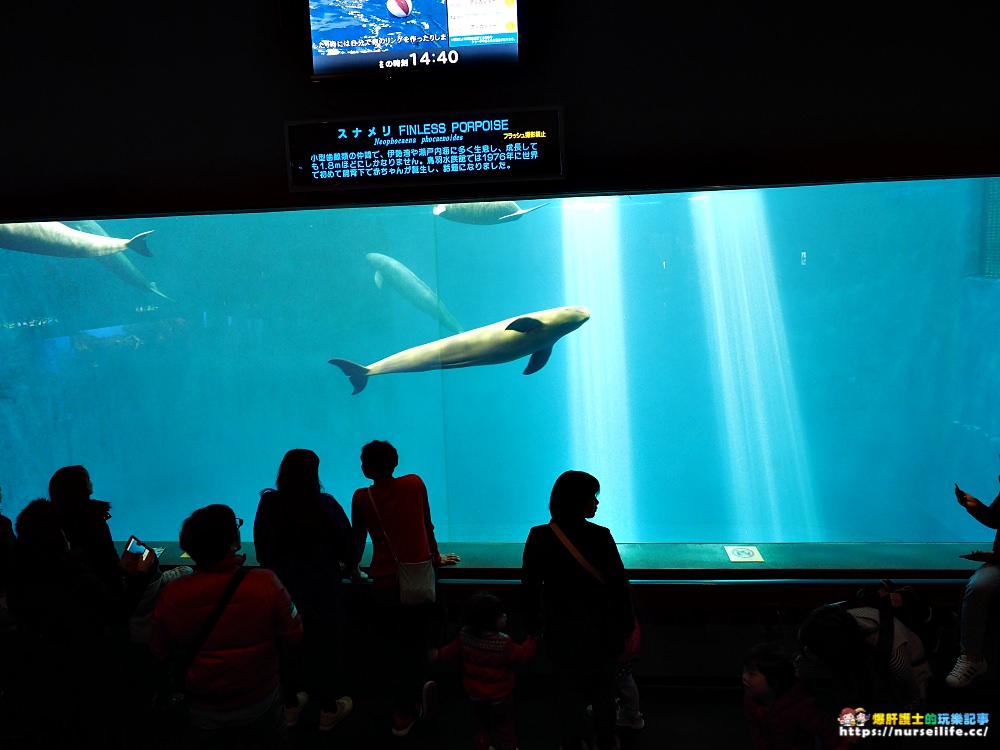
{"x":118,"y":263}
{"x":358,"y":374}
{"x":63,"y":241}
{"x":138,"y":244}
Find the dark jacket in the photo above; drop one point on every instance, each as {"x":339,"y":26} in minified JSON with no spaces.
{"x":989,"y":515}
{"x":85,"y":523}
{"x":305,"y":545}
{"x":581,"y":617}
{"x":67,"y":647}
{"x":6,"y":551}
{"x":238,"y":665}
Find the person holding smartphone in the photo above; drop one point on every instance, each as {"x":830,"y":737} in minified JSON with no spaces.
{"x":979,"y":594}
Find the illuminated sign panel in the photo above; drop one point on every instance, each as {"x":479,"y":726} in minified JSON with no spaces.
{"x":429,"y":149}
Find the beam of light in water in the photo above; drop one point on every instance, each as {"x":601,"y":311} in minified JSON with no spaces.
{"x":770,"y":486}
{"x":600,"y":420}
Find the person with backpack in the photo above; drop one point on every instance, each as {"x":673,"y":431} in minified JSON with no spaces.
{"x":893,"y":626}
{"x":901,"y":655}
{"x":979,"y":593}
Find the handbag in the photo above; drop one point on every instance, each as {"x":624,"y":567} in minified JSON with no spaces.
{"x":414,"y":580}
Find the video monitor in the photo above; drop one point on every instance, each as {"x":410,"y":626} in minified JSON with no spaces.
{"x":357,"y":36}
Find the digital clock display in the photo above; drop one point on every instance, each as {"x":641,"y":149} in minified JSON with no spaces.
{"x":449,"y":148}
{"x":352,"y":36}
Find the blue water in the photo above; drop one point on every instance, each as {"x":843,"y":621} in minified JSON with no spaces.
{"x":792,"y":364}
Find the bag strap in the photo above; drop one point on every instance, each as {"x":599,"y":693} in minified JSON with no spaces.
{"x":575,"y":552}
{"x":213,"y":618}
{"x":384,"y":532}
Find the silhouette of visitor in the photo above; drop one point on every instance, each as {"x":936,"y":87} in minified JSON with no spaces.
{"x":304,"y":536}
{"x":574,"y":586}
{"x":396,"y":511}
{"x":233,"y":679}
{"x":980,"y":592}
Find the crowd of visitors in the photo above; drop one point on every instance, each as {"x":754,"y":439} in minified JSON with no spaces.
{"x":243,"y":650}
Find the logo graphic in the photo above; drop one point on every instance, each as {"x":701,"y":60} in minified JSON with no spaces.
{"x":857,"y":722}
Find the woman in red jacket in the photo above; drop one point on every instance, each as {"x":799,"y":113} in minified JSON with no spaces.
{"x":397,"y":514}
{"x":232,"y":681}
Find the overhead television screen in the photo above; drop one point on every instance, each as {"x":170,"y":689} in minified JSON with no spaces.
{"x":356,"y":36}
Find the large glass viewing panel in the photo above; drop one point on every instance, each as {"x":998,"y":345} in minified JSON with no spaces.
{"x":804,"y":364}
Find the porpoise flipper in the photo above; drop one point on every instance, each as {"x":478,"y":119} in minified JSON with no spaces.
{"x":520,"y":212}
{"x":523,"y":325}
{"x":537,"y":361}
{"x":358,"y":374}
{"x":378,"y":279}
{"x":138,"y":244}
{"x":156,"y":290}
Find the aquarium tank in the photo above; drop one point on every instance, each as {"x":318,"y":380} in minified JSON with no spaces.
{"x":793,"y":364}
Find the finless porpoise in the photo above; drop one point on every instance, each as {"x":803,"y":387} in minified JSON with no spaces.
{"x":484,"y":212}
{"x":118,"y":263}
{"x":411,"y":287}
{"x":534,"y":334}
{"x":55,"y":238}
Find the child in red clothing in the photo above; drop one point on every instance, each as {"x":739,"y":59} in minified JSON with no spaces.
{"x":486,"y":655}
{"x":780,"y":713}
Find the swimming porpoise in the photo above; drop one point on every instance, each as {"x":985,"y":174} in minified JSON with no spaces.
{"x":483,"y":213}
{"x":118,"y":263}
{"x":55,"y":238}
{"x":410,"y":286}
{"x":534,"y":334}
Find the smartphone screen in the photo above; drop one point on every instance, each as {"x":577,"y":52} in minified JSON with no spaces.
{"x":134,"y":546}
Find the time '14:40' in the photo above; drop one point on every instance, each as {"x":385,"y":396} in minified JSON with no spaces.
{"x":444,"y":56}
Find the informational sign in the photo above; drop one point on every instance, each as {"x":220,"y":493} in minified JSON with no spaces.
{"x":741,"y":553}
{"x":436,"y":149}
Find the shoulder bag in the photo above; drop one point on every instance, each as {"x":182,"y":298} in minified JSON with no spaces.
{"x":415,"y":580}
{"x":561,"y":536}
{"x":182,"y":665}
{"x":631,"y":644}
